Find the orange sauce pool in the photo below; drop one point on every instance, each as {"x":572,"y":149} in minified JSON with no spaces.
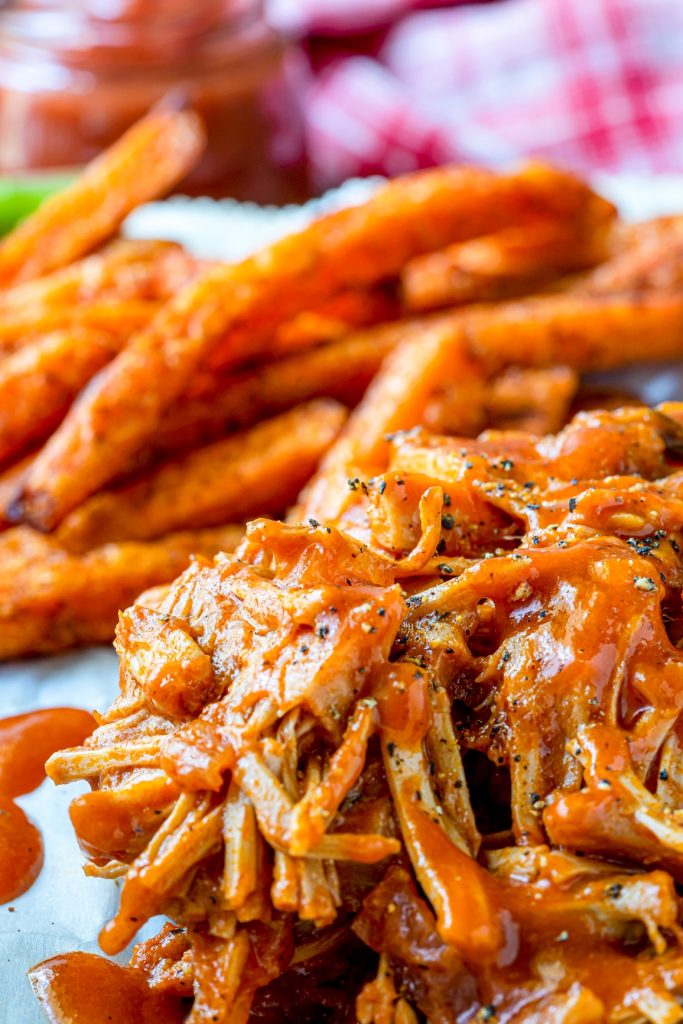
{"x":26,"y":742}
{"x":79,"y":987}
{"x":86,"y":989}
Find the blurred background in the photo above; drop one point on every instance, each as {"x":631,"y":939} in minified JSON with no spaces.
{"x":299,"y":95}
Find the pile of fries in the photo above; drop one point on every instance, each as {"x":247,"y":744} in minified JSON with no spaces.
{"x":151,"y":402}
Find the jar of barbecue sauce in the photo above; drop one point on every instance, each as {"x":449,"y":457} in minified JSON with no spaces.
{"x":74,"y":75}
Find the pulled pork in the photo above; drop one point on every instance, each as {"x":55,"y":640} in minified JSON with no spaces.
{"x":420,"y":763}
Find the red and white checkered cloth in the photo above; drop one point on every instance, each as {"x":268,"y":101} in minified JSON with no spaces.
{"x":590,"y":84}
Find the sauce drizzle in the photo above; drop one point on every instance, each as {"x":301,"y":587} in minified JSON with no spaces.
{"x":26,"y":742}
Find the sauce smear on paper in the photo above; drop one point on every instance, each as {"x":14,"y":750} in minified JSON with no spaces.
{"x":82,"y":988}
{"x":26,"y":742}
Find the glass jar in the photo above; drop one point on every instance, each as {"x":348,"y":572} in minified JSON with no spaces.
{"x":74,"y":76}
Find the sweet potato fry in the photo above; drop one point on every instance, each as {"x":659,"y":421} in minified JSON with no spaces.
{"x":429,"y":374}
{"x":216,"y":407}
{"x":585,"y":332}
{"x":10,"y":480}
{"x":145,"y":163}
{"x":50,"y":600}
{"x":231,"y":312}
{"x":536,"y":401}
{"x":120,"y":317}
{"x":513,"y":261}
{"x":653,"y":259}
{"x":260,"y":471}
{"x":39,"y":382}
{"x":348,"y":310}
{"x":627,"y":236}
{"x":581,"y":331}
{"x":125,"y":268}
{"x":642,"y":255}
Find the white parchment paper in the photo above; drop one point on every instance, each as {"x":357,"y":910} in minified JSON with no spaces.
{"x":64,"y":910}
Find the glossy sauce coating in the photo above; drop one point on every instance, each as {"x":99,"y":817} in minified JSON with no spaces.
{"x":21,"y":851}
{"x":482,"y":665}
{"x":87,"y":989}
{"x":26,"y":741}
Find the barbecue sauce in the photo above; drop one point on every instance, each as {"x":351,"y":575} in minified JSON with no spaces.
{"x":87,"y":989}
{"x":112,"y":62}
{"x":26,"y":742}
